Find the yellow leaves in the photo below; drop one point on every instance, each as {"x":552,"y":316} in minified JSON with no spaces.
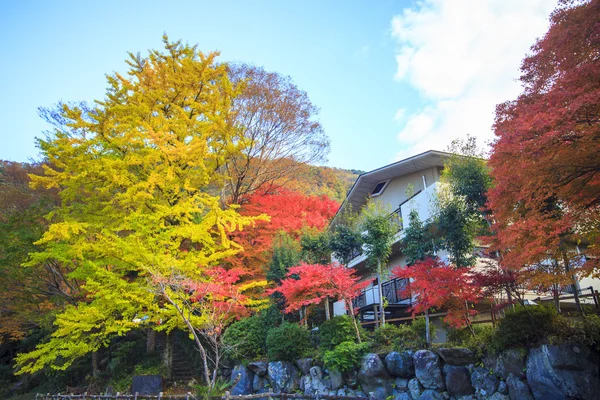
{"x":62,"y":231}
{"x":134,"y":174}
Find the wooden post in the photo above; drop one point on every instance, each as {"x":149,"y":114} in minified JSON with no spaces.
{"x":160,"y":395}
{"x":135,"y":395}
{"x":375,"y":315}
{"x":270,"y":394}
{"x":595,"y":296}
{"x":84,"y":395}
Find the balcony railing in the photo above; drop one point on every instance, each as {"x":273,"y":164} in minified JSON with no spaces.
{"x":392,"y":292}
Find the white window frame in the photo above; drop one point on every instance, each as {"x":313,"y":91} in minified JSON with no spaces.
{"x":385,"y":184}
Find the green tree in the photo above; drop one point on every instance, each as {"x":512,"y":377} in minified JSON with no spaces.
{"x":417,"y":243}
{"x":132,"y":174}
{"x":379,"y":226}
{"x":457,"y":226}
{"x":316,"y":248}
{"x":345,"y":239}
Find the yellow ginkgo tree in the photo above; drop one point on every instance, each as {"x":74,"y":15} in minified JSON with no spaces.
{"x":136,"y":174}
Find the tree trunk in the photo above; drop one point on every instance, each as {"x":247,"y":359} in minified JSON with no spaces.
{"x":567,"y":263}
{"x":427,"y":334}
{"x":168,"y":355}
{"x":556,"y":295}
{"x":151,"y":341}
{"x":327,"y":314}
{"x":201,"y":348}
{"x":380,"y":289}
{"x":95,"y":370}
{"x":351,"y":307}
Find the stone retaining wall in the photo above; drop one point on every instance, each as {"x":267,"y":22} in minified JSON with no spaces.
{"x":546,"y":372}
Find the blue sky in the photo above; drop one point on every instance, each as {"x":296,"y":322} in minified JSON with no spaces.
{"x":392,"y":78}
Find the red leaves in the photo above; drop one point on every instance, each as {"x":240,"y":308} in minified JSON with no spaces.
{"x":441,"y":286}
{"x":545,"y":162}
{"x":311,"y":283}
{"x":288,"y":211}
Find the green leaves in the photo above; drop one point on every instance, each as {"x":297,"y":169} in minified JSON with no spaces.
{"x":379,"y":227}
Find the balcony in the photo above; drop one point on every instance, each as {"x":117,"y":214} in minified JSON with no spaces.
{"x":391,"y":292}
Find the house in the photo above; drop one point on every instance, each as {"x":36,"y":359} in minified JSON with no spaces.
{"x":412,"y":183}
{"x":408,"y":184}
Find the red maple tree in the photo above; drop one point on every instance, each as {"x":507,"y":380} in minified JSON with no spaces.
{"x":441,"y":286}
{"x":545,"y":163}
{"x":288,"y":211}
{"x":309,"y":284}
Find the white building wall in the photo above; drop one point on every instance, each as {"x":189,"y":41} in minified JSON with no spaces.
{"x":395,"y":192}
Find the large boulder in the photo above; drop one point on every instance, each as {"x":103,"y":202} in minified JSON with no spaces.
{"x":400,"y":364}
{"x":428,"y":370}
{"x":336,"y":380}
{"x":242,"y":379}
{"x":401,"y":395}
{"x":458,"y":380}
{"x":517,"y":389}
{"x":401,"y":384}
{"x":484,"y":383}
{"x":258,"y":367}
{"x":415,"y":388}
{"x":304,"y":364}
{"x":258,"y":384}
{"x":457,"y":356}
{"x":374,"y":378}
{"x":284,"y":376}
{"x":317,"y":383}
{"x":561,"y":372}
{"x":498,"y":396}
{"x":429,"y":394}
{"x":508,"y":362}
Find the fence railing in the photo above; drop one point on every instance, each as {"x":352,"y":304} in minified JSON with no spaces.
{"x":392,"y":291}
{"x":228,"y":396}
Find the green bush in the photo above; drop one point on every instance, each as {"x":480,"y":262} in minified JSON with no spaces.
{"x":402,"y":337}
{"x":345,"y":356}
{"x":335,"y":331}
{"x":287,"y":342}
{"x":527,"y":326}
{"x":383,"y":338}
{"x":246,"y":339}
{"x":583,"y":330}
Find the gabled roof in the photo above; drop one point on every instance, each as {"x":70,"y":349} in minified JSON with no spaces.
{"x":365,"y":183}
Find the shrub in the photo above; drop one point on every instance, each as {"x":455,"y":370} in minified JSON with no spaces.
{"x":584,"y":330}
{"x":383,"y":338}
{"x":246,"y":339}
{"x":402,"y":337}
{"x":287,"y":342}
{"x":335,"y":331}
{"x":525,"y":327}
{"x":345,"y":357}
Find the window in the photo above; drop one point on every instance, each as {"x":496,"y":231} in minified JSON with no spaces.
{"x":379,"y":188}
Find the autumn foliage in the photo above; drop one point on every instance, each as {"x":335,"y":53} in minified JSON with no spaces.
{"x":545,"y":161}
{"x":288,"y":211}
{"x":443,"y":287}
{"x":309,"y":284}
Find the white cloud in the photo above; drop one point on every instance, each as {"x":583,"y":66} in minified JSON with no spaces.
{"x":463,"y":58}
{"x":399,"y":114}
